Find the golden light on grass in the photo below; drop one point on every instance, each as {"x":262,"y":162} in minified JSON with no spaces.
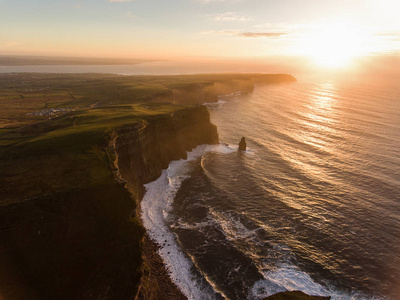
{"x":332,"y":45}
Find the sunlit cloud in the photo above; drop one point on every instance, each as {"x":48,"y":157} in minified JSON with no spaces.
{"x":231,"y":16}
{"x":245,"y":34}
{"x":262,"y":34}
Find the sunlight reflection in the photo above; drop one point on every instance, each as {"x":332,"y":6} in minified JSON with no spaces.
{"x":321,"y":102}
{"x":324,"y":96}
{"x":317,"y":125}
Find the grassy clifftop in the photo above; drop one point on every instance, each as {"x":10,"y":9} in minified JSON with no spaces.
{"x":66,"y":151}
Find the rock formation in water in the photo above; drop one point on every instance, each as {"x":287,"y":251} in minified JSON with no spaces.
{"x":242,"y":144}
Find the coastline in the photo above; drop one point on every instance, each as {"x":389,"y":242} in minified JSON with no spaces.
{"x":141,"y":153}
{"x":156,"y":279}
{"x":156,"y":275}
{"x":74,"y":207}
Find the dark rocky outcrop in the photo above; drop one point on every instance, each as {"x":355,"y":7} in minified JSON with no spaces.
{"x":76,"y":244}
{"x":242,"y":144}
{"x":295,"y":295}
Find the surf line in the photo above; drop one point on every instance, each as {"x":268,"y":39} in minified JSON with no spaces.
{"x":156,"y":206}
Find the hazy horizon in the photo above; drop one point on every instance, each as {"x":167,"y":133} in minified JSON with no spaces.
{"x":330,"y":34}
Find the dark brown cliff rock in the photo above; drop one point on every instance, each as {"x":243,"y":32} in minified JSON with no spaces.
{"x":142,"y":151}
{"x":86,"y":242}
{"x":146,"y":148}
{"x":295,"y":295}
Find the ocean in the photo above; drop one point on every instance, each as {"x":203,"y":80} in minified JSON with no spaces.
{"x":312,"y":205}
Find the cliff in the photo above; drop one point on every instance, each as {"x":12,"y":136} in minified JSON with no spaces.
{"x":144,"y":149}
{"x":223,"y":84}
{"x":84,"y":240}
{"x":141,"y":152}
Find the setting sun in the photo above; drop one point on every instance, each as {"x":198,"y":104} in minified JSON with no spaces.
{"x":332,"y":46}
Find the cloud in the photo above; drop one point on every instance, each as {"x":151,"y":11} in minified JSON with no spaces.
{"x":231,"y":16}
{"x":245,"y":34}
{"x":119,"y":0}
{"x":262,"y":34}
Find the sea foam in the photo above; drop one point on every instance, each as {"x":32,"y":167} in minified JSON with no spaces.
{"x":288,"y":277}
{"x":155,"y":210}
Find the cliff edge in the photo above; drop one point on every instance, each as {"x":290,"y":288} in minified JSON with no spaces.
{"x":72,"y":231}
{"x":141,"y":152}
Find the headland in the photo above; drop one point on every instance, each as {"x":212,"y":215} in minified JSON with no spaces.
{"x":75,"y":151}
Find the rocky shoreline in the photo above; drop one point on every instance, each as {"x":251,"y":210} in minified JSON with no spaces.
{"x":156,"y":283}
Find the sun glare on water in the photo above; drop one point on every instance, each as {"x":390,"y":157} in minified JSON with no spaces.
{"x":332,"y":46}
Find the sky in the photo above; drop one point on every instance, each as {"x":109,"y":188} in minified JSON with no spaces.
{"x":149,"y":29}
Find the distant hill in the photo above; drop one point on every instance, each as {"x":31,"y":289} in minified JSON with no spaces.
{"x":10,"y":60}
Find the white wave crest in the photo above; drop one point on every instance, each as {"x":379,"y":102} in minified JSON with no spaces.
{"x":215,"y":105}
{"x":288,"y":277}
{"x":155,"y":209}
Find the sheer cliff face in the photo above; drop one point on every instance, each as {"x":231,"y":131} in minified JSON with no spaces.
{"x":144,"y":149}
{"x":81,"y":243}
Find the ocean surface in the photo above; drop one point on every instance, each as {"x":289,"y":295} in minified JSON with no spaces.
{"x":312,"y":205}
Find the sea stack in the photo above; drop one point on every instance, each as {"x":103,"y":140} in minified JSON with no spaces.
{"x":242,"y":144}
